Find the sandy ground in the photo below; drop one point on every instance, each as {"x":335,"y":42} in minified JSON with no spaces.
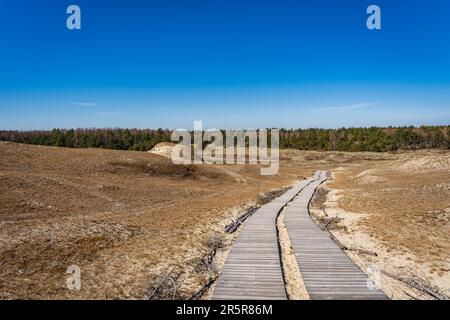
{"x":125,"y":218}
{"x":399,"y":209}
{"x":295,"y":287}
{"x":128,"y":218}
{"x":163,"y":149}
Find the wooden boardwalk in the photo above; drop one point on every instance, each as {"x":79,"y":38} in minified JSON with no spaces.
{"x":328,"y":273}
{"x":253,"y":269}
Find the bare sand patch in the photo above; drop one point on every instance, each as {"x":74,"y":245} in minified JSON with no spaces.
{"x":295,"y":287}
{"x":163,"y":149}
{"x":404,"y":219}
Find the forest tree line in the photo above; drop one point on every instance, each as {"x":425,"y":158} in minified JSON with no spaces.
{"x":345,"y":139}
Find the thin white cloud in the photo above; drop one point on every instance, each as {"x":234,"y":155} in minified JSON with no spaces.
{"x":85,"y":104}
{"x":348,"y":107}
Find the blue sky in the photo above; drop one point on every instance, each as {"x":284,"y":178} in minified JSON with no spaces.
{"x":247,"y":64}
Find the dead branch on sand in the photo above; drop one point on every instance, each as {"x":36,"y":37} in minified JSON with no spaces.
{"x":232,"y":227}
{"x":166,"y":288}
{"x":363,"y":251}
{"x":212,"y":273}
{"x":262,"y":199}
{"x":325,"y":227}
{"x":423,"y":285}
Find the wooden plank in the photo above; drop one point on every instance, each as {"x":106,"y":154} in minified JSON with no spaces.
{"x":328,"y":273}
{"x":252,"y":269}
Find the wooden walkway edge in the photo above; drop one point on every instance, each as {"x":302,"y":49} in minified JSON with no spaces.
{"x":252,"y":270}
{"x":328,"y":273}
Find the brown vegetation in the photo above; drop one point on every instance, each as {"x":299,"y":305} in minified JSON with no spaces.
{"x":400,"y":209}
{"x":127,"y":218}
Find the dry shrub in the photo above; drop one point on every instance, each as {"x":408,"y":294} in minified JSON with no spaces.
{"x":319,"y":198}
{"x":332,"y":223}
{"x":162,"y":168}
{"x":315,"y":156}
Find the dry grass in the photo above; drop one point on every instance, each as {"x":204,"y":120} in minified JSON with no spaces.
{"x":399,"y":208}
{"x":412,"y":197}
{"x":127,"y":218}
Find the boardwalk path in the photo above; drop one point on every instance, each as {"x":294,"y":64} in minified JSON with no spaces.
{"x":252,"y":269}
{"x":328,"y":273}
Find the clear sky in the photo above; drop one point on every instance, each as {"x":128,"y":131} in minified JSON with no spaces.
{"x":247,"y":64}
